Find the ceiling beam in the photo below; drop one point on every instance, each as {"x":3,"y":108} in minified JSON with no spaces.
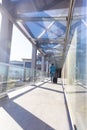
{"x":84,"y":22}
{"x":29,"y":31}
{"x":26,"y":18}
{"x":49,"y":40}
{"x":20,"y":27}
{"x":24,"y":31}
{"x":79,"y":17}
{"x":24,"y":6}
{"x":48,"y":18}
{"x":46,"y":29}
{"x":71,"y":7}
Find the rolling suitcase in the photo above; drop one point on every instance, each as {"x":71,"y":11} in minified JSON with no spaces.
{"x":54,"y":79}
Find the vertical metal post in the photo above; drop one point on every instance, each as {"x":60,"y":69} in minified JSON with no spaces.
{"x":5,"y":46}
{"x":5,"y":39}
{"x":47,"y":68}
{"x":34,"y":54}
{"x":43,"y":64}
{"x":34,"y":57}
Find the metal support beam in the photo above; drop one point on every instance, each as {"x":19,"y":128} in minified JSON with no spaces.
{"x":43,"y":64}
{"x":45,"y":30}
{"x":34,"y":54}
{"x":47,"y":40}
{"x":72,"y":2}
{"x":5,"y":39}
{"x":27,"y":6}
{"x":19,"y":26}
{"x":26,"y":18}
{"x":5,"y":48}
{"x":47,"y":67}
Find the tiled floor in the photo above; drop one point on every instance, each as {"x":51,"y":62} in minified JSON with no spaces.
{"x":40,"y":107}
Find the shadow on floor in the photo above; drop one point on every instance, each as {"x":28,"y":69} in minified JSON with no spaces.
{"x":24,"y":118}
{"x":6,"y":99}
{"x":46,"y":88}
{"x":50,"y":89}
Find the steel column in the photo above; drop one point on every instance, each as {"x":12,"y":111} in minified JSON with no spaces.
{"x":43,"y":64}
{"x":34,"y":56}
{"x":5,"y":39}
{"x":47,"y":67}
{"x":5,"y":48}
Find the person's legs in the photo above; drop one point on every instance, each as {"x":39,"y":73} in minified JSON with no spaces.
{"x":51,"y":77}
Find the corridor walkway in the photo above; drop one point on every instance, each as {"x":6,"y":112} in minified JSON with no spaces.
{"x":36,"y":107}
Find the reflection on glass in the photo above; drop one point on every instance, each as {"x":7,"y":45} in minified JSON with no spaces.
{"x":75,"y":67}
{"x":13,"y":76}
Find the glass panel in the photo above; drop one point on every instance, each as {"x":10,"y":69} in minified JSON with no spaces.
{"x":50,"y":35}
{"x":3,"y":77}
{"x":12,"y":76}
{"x":75,"y":68}
{"x":0,"y":21}
{"x":37,"y":28}
{"x":47,"y":47}
{"x":14,"y":0}
{"x":49,"y":13}
{"x":46,"y":29}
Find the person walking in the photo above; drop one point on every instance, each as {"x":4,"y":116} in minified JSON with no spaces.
{"x":52,"y":71}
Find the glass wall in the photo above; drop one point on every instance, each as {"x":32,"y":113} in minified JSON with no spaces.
{"x":0,"y":21}
{"x":18,"y":77}
{"x":75,"y":68}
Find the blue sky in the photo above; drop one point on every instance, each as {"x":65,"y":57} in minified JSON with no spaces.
{"x":21,"y":47}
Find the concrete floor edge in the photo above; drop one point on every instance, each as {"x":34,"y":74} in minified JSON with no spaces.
{"x":68,"y":111}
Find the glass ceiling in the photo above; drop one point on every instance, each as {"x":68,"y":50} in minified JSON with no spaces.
{"x":48,"y":13}
{"x":45,"y":21}
{"x":47,"y":29}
